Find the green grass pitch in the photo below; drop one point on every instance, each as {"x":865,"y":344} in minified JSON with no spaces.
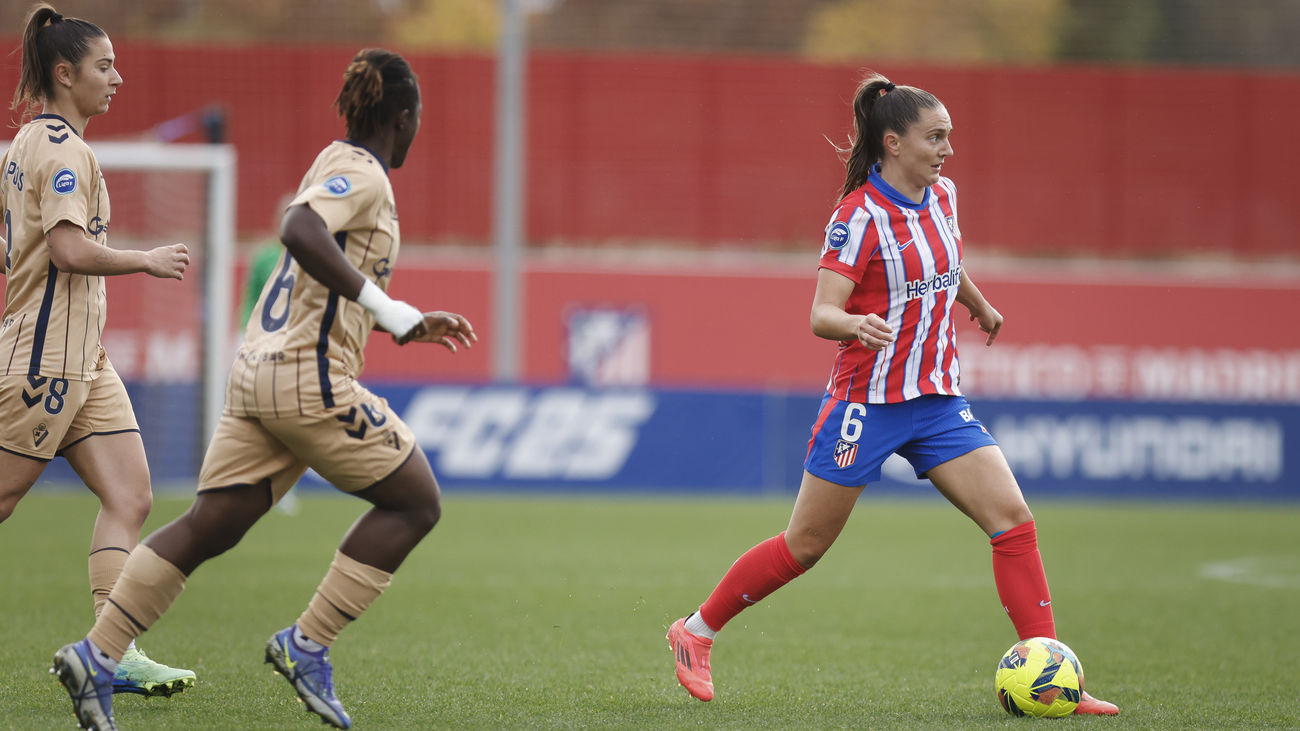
{"x":550,"y":612}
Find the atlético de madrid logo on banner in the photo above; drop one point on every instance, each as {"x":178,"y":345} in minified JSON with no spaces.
{"x":845,"y":453}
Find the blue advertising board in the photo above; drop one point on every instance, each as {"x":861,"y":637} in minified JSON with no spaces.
{"x":624,"y":440}
{"x":618,"y":440}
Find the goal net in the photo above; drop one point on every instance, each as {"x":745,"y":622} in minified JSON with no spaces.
{"x":170,"y":340}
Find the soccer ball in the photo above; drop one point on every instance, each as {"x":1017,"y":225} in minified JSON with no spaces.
{"x":1039,"y":677}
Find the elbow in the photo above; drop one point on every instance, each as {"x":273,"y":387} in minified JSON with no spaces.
{"x":290,"y":241}
{"x":819,"y":326}
{"x":822,"y":324}
{"x":814,"y":325}
{"x":826,"y":334}
{"x":63,"y":261}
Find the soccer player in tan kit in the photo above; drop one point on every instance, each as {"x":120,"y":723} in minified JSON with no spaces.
{"x":293,"y":402}
{"x":59,"y":394}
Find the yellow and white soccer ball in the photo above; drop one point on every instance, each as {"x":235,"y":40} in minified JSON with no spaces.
{"x":1039,"y":677}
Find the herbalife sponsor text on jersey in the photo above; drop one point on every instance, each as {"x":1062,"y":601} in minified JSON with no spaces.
{"x":922,"y":287}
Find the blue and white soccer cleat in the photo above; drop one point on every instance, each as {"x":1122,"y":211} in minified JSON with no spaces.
{"x":311,"y":675}
{"x":89,"y":685}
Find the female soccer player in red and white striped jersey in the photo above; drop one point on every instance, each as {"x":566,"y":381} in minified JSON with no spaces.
{"x":890,"y":272}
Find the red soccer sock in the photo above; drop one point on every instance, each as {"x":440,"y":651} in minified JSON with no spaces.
{"x":758,"y":572}
{"x":1022,"y":585}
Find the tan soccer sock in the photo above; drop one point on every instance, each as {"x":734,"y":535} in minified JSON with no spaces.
{"x":105,"y":565}
{"x":345,"y":592}
{"x":147,"y":586}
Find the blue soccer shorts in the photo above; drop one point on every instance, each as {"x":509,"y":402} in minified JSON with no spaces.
{"x":850,"y":441}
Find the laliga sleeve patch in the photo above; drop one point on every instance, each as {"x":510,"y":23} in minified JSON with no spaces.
{"x":338,"y":185}
{"x":65,"y":181}
{"x":838,"y":235}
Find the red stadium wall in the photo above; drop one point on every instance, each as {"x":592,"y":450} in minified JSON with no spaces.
{"x":1067,"y":335}
{"x":727,"y":151}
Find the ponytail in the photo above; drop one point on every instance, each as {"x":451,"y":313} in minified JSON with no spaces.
{"x":377,"y":86}
{"x":878,"y":107}
{"x":49,"y":38}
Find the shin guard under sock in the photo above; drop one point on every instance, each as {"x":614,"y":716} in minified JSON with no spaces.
{"x":104,"y":565}
{"x":1021,"y":582}
{"x":144,"y":590}
{"x":758,"y":572}
{"x":347,"y":589}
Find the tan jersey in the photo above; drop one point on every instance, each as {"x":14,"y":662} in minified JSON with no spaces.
{"x":52,"y":319}
{"x":303,"y":348}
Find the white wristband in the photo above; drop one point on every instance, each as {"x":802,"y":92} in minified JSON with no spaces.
{"x":395,"y":316}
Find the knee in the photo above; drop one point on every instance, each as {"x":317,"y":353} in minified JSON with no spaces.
{"x":1007,"y":518}
{"x":141,"y":505}
{"x":426,"y":515}
{"x":202,"y":539}
{"x":216,"y":526}
{"x":418,"y":504}
{"x":1017,"y":514}
{"x":10,"y":497}
{"x":807,"y":547}
{"x":132,"y":506}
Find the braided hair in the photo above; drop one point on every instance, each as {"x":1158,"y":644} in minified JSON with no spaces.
{"x":377,"y":86}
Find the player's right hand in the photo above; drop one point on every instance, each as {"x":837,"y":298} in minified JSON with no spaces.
{"x":442,"y":328}
{"x":168,"y":262}
{"x":401,"y":319}
{"x":873,"y":332}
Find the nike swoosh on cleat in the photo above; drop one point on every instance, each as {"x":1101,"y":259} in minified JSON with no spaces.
{"x":288,"y":660}
{"x":748,"y":600}
{"x":1044,"y":603}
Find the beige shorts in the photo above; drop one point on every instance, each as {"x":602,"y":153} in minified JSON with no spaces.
{"x":353,"y":446}
{"x":41,"y":416}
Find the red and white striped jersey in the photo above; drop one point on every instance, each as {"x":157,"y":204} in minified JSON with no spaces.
{"x":906,"y":260}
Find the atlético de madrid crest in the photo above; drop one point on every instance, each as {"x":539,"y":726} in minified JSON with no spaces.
{"x":845,"y":453}
{"x":952,"y":226}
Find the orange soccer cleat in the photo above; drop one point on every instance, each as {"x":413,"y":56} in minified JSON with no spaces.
{"x":692,"y":656}
{"x":1089,"y":706}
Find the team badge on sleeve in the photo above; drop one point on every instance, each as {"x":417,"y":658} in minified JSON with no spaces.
{"x":838,"y":236}
{"x":65,"y":181}
{"x":845,"y":453}
{"x":338,"y":185}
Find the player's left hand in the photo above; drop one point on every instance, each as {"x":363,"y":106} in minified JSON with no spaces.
{"x":443,"y":328}
{"x":990,"y":321}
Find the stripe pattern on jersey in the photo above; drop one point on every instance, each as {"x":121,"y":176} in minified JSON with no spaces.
{"x":906,"y":261}
{"x":304,"y":345}
{"x":43,"y":321}
{"x":52,"y":319}
{"x":323,"y":344}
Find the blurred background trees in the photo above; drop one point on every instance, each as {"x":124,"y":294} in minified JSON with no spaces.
{"x":1256,"y":33}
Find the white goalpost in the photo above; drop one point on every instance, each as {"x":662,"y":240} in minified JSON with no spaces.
{"x":171,"y":341}
{"x":217,"y":165}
